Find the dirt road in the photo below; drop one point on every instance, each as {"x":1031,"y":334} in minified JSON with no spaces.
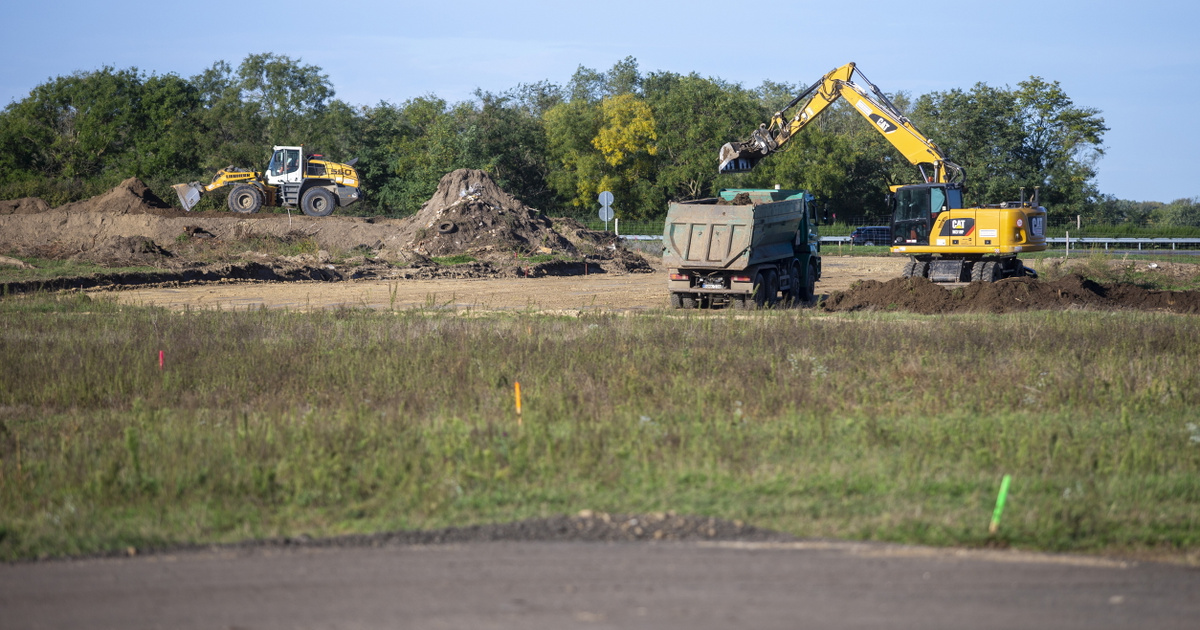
{"x":534,"y":585}
{"x":631,"y":292}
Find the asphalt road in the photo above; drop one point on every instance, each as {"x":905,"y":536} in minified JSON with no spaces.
{"x":532,"y":585}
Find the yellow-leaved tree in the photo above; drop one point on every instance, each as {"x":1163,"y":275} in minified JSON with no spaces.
{"x":627,"y":131}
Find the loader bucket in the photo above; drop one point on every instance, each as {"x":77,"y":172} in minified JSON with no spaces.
{"x":739,"y":157}
{"x":189,"y":194}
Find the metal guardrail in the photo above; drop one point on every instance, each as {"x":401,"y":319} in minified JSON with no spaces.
{"x":1075,"y":241}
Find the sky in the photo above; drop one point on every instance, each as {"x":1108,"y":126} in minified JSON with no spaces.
{"x":1138,"y":63}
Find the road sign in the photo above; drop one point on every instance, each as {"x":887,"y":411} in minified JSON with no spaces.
{"x":606,"y":212}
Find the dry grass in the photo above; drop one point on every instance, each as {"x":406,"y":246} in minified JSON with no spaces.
{"x":882,"y":427}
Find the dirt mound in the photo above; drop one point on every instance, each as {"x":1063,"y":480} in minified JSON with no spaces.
{"x":586,"y":526}
{"x":470,"y":214}
{"x":24,"y":205}
{"x":124,"y":251}
{"x":131,"y":196}
{"x":1072,"y":291}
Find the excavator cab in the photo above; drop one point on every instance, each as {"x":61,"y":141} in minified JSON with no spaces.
{"x":915,"y":209}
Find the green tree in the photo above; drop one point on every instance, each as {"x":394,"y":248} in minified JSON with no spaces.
{"x":1179,"y":213}
{"x":1007,"y":139}
{"x":695,"y":116}
{"x":80,"y":134}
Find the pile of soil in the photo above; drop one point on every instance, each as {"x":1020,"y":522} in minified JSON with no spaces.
{"x":131,"y":196}
{"x":470,"y":214}
{"x":586,"y":526}
{"x":24,"y":205}
{"x":124,"y":251}
{"x":919,"y":295}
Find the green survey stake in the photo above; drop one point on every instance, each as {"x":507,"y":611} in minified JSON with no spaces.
{"x":999,"y":504}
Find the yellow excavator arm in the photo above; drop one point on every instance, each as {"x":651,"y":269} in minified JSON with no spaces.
{"x":868,"y":101}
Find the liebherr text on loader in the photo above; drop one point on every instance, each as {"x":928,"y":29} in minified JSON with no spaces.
{"x":945,"y":241}
{"x":316,"y":185}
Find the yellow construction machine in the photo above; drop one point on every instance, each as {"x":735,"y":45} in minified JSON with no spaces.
{"x":292,"y":179}
{"x":945,"y":241}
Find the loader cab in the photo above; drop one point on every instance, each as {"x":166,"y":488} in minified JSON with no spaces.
{"x":286,"y":166}
{"x":916,"y":208}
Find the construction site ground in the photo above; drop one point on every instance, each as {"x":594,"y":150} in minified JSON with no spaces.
{"x":604,"y":291}
{"x":473,"y":246}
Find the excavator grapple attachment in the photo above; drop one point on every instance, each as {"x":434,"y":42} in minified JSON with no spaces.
{"x":189,"y":194}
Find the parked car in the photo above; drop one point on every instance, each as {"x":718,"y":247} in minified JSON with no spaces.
{"x":871,"y":235}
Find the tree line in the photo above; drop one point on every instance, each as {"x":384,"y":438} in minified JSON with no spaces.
{"x":647,"y":137}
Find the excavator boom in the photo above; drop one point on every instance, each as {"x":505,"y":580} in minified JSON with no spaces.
{"x":868,"y":100}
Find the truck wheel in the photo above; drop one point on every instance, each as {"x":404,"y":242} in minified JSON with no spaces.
{"x":740,"y":303}
{"x":690,"y":302}
{"x":676,"y":300}
{"x":810,"y":286}
{"x":317,"y":202}
{"x":795,"y":294}
{"x":772,"y":288}
{"x":760,"y":290}
{"x":244,"y":199}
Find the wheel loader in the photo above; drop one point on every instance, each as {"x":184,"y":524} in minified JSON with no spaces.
{"x":293,"y":179}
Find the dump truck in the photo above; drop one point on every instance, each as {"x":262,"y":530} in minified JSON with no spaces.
{"x":745,"y":248}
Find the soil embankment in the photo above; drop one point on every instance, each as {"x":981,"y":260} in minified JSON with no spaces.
{"x":492,"y":233}
{"x":1072,"y":291}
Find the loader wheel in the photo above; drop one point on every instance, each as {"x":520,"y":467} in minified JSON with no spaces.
{"x":317,"y":202}
{"x":245,"y":199}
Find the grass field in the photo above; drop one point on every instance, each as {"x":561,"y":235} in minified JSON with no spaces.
{"x":881,"y":427}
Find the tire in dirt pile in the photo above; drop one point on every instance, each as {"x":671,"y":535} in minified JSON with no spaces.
{"x":244,"y":199}
{"x":317,"y":202}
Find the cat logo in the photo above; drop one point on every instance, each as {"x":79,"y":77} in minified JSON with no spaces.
{"x":882,"y":123}
{"x":1037,"y":225}
{"x":958,"y":227}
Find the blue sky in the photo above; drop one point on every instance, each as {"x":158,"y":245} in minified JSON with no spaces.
{"x":1137,"y":62}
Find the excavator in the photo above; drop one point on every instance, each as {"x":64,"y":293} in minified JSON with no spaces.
{"x":315,"y":184}
{"x":945,"y":241}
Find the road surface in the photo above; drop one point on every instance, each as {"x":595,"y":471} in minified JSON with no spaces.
{"x":532,"y":585}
